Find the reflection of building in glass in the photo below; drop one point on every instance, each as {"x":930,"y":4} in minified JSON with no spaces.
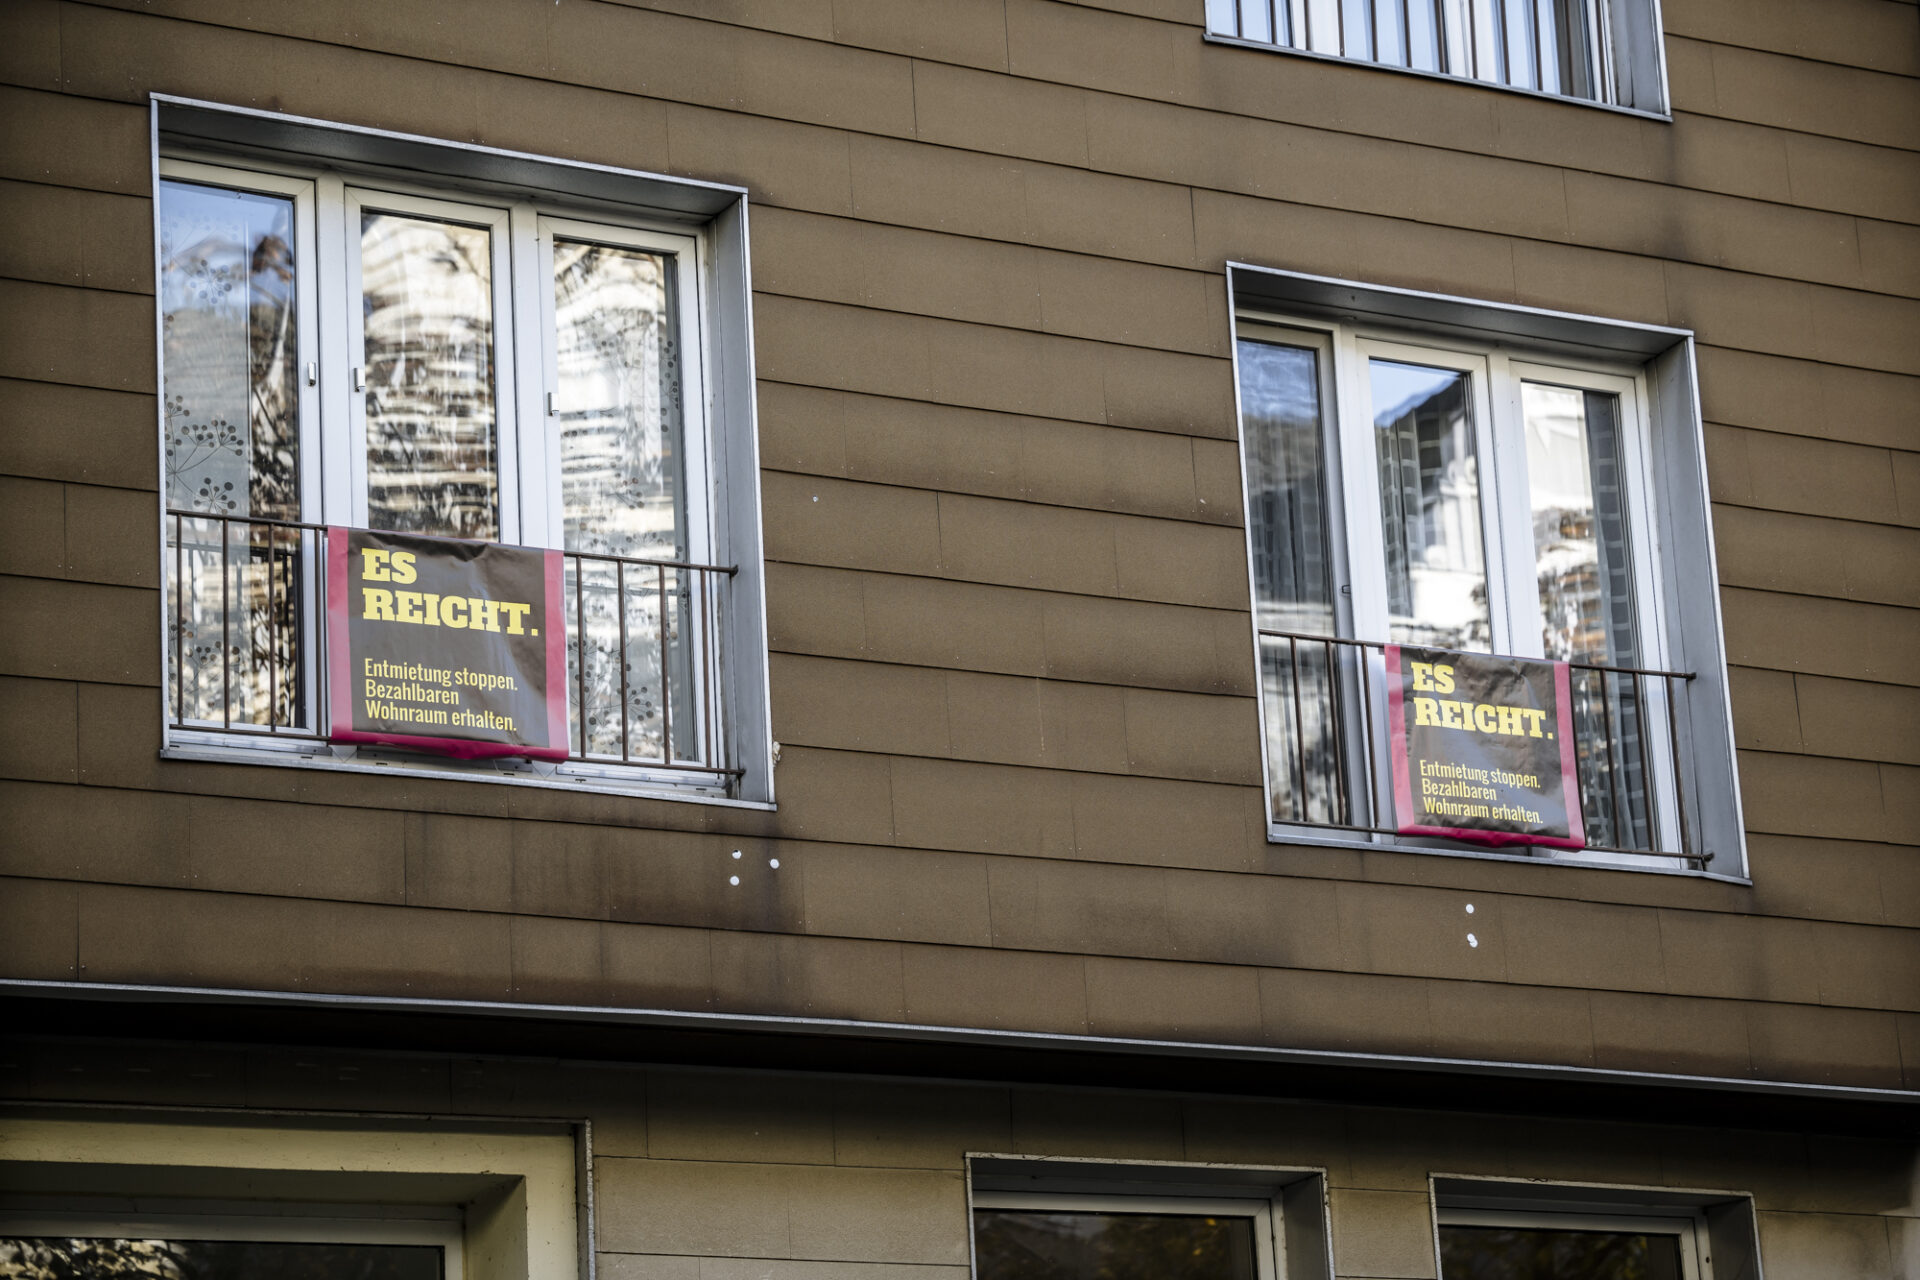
{"x":427,"y":297}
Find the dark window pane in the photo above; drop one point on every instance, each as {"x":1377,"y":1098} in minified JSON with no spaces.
{"x":65,"y":1258}
{"x":1012,"y":1245}
{"x":1512,"y":1253}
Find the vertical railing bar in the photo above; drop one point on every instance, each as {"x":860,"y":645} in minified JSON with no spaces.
{"x":580,"y":643}
{"x":179,"y":621}
{"x":1368,"y":758}
{"x":1339,"y":733}
{"x":1614,"y":789}
{"x":666,"y":680}
{"x":1679,"y":781}
{"x":1299,"y":727}
{"x":708,"y":656}
{"x":226,"y":642}
{"x":620,"y":603}
{"x":273,"y":641}
{"x":1539,"y":47}
{"x":1646,"y":762}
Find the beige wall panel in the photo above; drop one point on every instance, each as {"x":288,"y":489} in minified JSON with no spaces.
{"x":65,"y":235}
{"x":1491,"y":1020}
{"x":1793,"y":93}
{"x":1808,"y":796}
{"x":50,"y":752}
{"x":1094,"y":1124}
{"x":810,"y":18}
{"x":912,"y":184}
{"x":1875,"y":34}
{"x":956,"y":624}
{"x":1799,"y":474}
{"x":973,"y":32}
{"x":820,"y":432}
{"x":54,"y":837}
{"x":74,"y":142}
{"x":692,"y":1207}
{"x":1382,"y":1233}
{"x":1856,"y":178}
{"x":1399,"y":929}
{"x":1027,"y":545}
{"x":897,"y":1124}
{"x":759,"y":1119}
{"x":860,"y":706}
{"x":87,"y":337}
{"x":796,"y":166}
{"x":941,"y":804}
{"x":814,"y":520}
{"x":309,"y":851}
{"x":1890,"y":252}
{"x":834,"y":796}
{"x":110,"y":536}
{"x":1230,"y":1131}
{"x":43,"y":420}
{"x":1799,"y":397}
{"x":1209,"y":739}
{"x":1006,"y":989}
{"x":30,"y":38}
{"x":808,"y":977}
{"x":39,"y":921}
{"x":1861,"y":721}
{"x":1019,"y":117}
{"x":1158,"y":821}
{"x":1765,"y":717}
{"x":1823,"y":637}
{"x":79,"y":631}
{"x":1636,"y":1031}
{"x":33,"y":533}
{"x":1551,"y":942}
{"x":1782,"y":317}
{"x":906,"y":894}
{"x":1212,"y":1003}
{"x":813,"y":610}
{"x":1807,"y":1246}
{"x":1834,"y":880}
{"x":1148,"y":645}
{"x":1562,"y":277}
{"x":652,"y":968}
{"x":1779,"y":551}
{"x":459,"y":862}
{"x":1906,"y":484}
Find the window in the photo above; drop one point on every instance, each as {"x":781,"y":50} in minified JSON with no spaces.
{"x":1603,"y":51}
{"x":1119,"y":1238}
{"x":229,"y":1247}
{"x":1063,"y":1218}
{"x":1410,"y":480}
{"x":494,"y":359}
{"x":1510,"y":1229}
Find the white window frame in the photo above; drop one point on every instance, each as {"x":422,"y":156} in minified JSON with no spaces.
{"x":415,"y":1225}
{"x":587,"y":201}
{"x":1626,"y":58}
{"x":1689,"y":1225}
{"x":1663,"y":460}
{"x":1269,"y":1244}
{"x":1496,"y":373}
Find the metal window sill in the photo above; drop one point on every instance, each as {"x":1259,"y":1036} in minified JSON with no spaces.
{"x":1278,"y":834}
{"x":637,"y":788}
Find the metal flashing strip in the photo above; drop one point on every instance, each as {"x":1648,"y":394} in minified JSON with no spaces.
{"x":1251,"y":285}
{"x":196,"y":120}
{"x":971,"y":1036}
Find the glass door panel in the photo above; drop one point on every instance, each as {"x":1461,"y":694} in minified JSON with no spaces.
{"x":231,"y":341}
{"x":428,"y":366}
{"x":1436,"y":574}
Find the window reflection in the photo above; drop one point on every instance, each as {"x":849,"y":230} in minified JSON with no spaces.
{"x":1511,"y":1253}
{"x":427,"y":297}
{"x":1430,"y":507}
{"x":1016,"y":1245}
{"x":68,"y":1258}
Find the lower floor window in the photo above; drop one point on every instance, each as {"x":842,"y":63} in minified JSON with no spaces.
{"x":1491,"y":1246}
{"x":1115,"y":1238}
{"x":141,"y":1256}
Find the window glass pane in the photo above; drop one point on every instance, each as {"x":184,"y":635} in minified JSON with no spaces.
{"x":63,"y":1258}
{"x":229,"y":365}
{"x":617,"y":401}
{"x":427,"y":296}
{"x":1010,"y":1245}
{"x":1423,"y":35}
{"x":1576,"y":490}
{"x":1430,"y":507}
{"x":1512,"y":1253}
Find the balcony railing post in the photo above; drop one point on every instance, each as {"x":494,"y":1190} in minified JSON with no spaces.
{"x":626,"y":698}
{"x":1299,"y":729}
{"x":666,"y":681}
{"x":226,"y":644}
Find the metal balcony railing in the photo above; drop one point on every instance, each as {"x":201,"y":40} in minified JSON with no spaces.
{"x":246,"y":625}
{"x":1326,"y":718}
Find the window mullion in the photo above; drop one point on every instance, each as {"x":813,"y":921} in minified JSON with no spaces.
{"x":1366,"y":559}
{"x":536,"y":493}
{"x":337,"y":265}
{"x":1508,"y":518}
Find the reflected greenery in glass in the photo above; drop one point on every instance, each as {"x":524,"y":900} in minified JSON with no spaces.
{"x":1018,"y":1245}
{"x":69,"y":1258}
{"x":1512,"y":1253}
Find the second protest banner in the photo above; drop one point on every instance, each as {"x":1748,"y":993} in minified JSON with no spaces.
{"x":442,"y":645}
{"x":1483,"y":748}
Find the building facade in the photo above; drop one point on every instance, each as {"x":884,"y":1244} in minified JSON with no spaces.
{"x":1013,"y":489}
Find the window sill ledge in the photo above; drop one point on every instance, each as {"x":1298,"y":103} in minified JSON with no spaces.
{"x":639,"y":788}
{"x":1291,"y":835}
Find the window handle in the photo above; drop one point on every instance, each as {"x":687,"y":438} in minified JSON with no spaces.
{"x":313,"y":374}
{"x":550,"y":410}
{"x":360,"y":378}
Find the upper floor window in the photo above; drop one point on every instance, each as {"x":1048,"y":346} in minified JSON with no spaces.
{"x":1605,"y":51}
{"x":1442,"y":487}
{"x":362,"y":348}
